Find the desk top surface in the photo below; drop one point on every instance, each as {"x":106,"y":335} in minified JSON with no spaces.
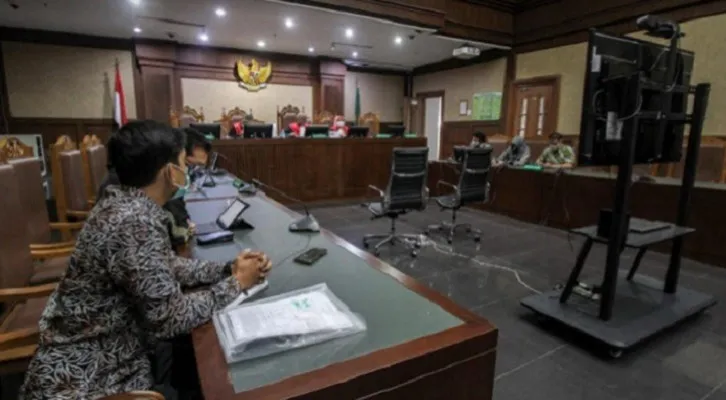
{"x":393,"y":313}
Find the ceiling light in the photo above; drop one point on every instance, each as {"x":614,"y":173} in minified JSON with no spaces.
{"x":349,"y":33}
{"x":135,"y":2}
{"x":311,"y":49}
{"x":289,"y":23}
{"x":355,"y":54}
{"x":398,"y":40}
{"x":203,"y":37}
{"x":137,"y":30}
{"x":260,"y":43}
{"x":221,"y":12}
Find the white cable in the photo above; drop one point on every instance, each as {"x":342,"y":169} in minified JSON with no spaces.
{"x":450,"y":251}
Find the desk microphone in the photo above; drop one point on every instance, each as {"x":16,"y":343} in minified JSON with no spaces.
{"x":307,"y":223}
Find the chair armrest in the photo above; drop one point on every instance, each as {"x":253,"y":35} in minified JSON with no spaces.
{"x":135,"y":395}
{"x":77,"y":214}
{"x":51,"y":253}
{"x":91,"y":203}
{"x":51,"y":246}
{"x":444,"y":183}
{"x":10,"y":295}
{"x":19,"y":338}
{"x":380,"y":192}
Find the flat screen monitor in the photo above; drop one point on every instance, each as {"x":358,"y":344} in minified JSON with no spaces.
{"x":258,"y":131}
{"x":396,"y":130}
{"x":609,"y":101}
{"x":317,"y":130}
{"x":358,"y":131}
{"x":208,"y":129}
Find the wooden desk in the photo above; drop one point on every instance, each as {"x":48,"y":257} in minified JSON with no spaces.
{"x":574,"y":198}
{"x":314,"y":169}
{"x":419,"y":344}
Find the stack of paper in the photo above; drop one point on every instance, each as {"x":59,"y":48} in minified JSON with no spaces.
{"x":291,"y":320}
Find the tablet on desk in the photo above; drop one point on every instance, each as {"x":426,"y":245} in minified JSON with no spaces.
{"x":226,"y":220}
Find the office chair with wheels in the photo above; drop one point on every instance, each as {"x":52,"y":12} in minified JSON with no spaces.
{"x":473,"y":187}
{"x":406,"y":192}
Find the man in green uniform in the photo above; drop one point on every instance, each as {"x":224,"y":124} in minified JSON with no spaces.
{"x":557,"y":154}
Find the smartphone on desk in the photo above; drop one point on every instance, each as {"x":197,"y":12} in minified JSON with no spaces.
{"x":215,"y":238}
{"x":311,"y":256}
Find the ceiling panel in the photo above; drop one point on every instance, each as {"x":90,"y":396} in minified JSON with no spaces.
{"x":512,"y":6}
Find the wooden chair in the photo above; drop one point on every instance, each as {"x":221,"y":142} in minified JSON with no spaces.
{"x":22,"y":296}
{"x":71,"y":197}
{"x":230,"y":117}
{"x":188,"y":116}
{"x":12,"y":148}
{"x":287,"y":115}
{"x":324,"y":117}
{"x":95,"y":164}
{"x":370,"y":120}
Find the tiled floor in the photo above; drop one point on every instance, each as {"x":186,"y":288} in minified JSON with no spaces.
{"x":536,"y":361}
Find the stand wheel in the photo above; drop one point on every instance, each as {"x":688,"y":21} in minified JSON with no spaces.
{"x":477,"y":239}
{"x":615,"y":353}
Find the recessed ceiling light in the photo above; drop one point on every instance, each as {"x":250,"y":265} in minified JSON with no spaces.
{"x":260,"y":43}
{"x":137,"y":29}
{"x":349,"y":33}
{"x":398,"y":40}
{"x":203,"y":37}
{"x":311,"y":49}
{"x":355,"y":54}
{"x":135,"y":2}
{"x":221,"y":12}
{"x":289,"y":23}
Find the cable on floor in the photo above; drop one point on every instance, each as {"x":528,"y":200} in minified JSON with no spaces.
{"x":450,"y":251}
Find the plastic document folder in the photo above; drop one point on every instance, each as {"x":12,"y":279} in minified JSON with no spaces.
{"x":287,"y":321}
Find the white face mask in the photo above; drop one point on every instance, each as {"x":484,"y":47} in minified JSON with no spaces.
{"x":340,"y":124}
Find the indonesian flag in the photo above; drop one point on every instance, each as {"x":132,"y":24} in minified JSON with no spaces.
{"x":119,"y":105}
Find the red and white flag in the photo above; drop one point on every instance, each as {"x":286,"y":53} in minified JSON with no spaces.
{"x":119,"y":105}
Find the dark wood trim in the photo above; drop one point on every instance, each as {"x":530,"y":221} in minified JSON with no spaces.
{"x":506,"y":111}
{"x":378,"y":71}
{"x":460,"y":343}
{"x":64,"y":39}
{"x":4,"y":97}
{"x":619,"y":21}
{"x":555,"y":80}
{"x":453,"y":63}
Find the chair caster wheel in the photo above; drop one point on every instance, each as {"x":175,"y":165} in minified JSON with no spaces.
{"x":414,"y":253}
{"x":615,"y":353}
{"x":468,"y":230}
{"x":449,"y":240}
{"x":366,"y":245}
{"x":417,"y":245}
{"x":377,"y":253}
{"x":477,"y":239}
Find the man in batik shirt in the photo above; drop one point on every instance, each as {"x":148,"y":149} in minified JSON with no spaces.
{"x":122,"y":291}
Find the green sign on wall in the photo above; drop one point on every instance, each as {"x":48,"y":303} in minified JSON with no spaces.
{"x":486,"y":106}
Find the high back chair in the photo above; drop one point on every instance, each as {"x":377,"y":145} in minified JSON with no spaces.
{"x":95,"y":164}
{"x":473,"y":187}
{"x":323,"y":117}
{"x":287,"y":115}
{"x":406,"y":191}
{"x":69,"y":187}
{"x":371,"y":121}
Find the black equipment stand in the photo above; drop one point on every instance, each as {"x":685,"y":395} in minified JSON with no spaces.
{"x":646,"y":306}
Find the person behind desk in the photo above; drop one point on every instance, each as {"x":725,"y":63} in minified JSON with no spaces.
{"x":338,"y":129}
{"x":478,"y":140}
{"x":121,"y":293}
{"x":516,"y":154}
{"x":297,"y":128}
{"x":557,"y":154}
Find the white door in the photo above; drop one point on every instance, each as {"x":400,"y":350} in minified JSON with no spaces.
{"x":432,"y":125}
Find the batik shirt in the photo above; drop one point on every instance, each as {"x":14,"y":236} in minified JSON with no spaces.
{"x":121,"y":293}
{"x":557,"y":155}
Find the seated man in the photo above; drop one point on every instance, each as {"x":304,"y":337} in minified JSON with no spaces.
{"x":557,"y":154}
{"x":478,"y":140}
{"x":516,"y":154}
{"x":122,"y":291}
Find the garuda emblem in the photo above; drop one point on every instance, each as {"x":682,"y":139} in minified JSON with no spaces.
{"x":251,"y":76}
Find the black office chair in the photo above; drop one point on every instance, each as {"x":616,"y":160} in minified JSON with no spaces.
{"x":406,"y":192}
{"x":473,"y":187}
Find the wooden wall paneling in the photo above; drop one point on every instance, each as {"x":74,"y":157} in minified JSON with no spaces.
{"x":506,"y":113}
{"x":478,"y":22}
{"x":158,"y":93}
{"x":4,"y":98}
{"x":459,"y":133}
{"x":427,"y":13}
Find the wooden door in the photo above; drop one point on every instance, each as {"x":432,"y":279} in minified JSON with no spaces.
{"x":535,"y":107}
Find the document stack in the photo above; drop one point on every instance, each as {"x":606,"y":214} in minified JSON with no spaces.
{"x":287,"y":321}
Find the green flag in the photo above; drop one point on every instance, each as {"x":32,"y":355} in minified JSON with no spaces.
{"x":357,"y":102}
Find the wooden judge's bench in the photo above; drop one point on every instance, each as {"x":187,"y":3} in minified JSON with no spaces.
{"x":313,"y":170}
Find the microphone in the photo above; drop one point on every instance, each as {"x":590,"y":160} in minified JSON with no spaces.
{"x":307,"y":223}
